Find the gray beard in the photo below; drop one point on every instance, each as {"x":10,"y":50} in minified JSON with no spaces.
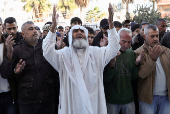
{"x":79,"y":44}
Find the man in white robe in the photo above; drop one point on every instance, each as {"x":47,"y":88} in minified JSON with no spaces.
{"x":80,"y":67}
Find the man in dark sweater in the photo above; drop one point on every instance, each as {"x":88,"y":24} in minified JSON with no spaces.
{"x":162,"y":25}
{"x":121,"y":72}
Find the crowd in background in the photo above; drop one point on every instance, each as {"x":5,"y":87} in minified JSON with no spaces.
{"x":135,"y":81}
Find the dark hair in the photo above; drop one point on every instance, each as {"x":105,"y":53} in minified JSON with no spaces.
{"x":9,"y":20}
{"x":90,"y":30}
{"x":60,"y":27}
{"x":117,"y":24}
{"x":134,"y":27}
{"x":160,"y":20}
{"x":143,"y":23}
{"x":125,"y":21}
{"x":75,"y":19}
{"x":48,"y":23}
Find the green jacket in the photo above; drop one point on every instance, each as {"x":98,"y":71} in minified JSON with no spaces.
{"x":118,"y":81}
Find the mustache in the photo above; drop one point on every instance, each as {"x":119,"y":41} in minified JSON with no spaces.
{"x":79,"y":35}
{"x":155,"y":42}
{"x":35,"y":34}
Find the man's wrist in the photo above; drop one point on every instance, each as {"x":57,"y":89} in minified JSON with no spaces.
{"x":9,"y":57}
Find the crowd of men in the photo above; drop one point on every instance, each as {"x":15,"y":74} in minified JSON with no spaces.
{"x":121,"y":68}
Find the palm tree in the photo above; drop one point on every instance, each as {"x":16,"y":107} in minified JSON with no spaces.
{"x":127,"y":7}
{"x":37,"y":7}
{"x":95,"y":14}
{"x":82,"y":4}
{"x":66,"y":6}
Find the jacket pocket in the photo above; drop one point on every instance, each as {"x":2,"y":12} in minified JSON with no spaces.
{"x":27,"y":88}
{"x":27,"y":58}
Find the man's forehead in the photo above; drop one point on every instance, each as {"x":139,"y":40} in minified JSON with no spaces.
{"x":30,"y":25}
{"x":11,"y":24}
{"x":78,"y":29}
{"x":151,"y":31}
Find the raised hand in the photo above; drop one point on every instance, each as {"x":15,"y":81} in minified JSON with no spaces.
{"x":139,"y":58}
{"x":20,"y":66}
{"x":54,"y":20}
{"x":9,"y":42}
{"x":110,"y":18}
{"x":155,"y":52}
{"x":104,"y":41}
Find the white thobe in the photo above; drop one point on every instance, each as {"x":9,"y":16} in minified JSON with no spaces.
{"x":72,"y":98}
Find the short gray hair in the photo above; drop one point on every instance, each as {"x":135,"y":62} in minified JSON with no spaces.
{"x":153,"y":27}
{"x":126,"y":30}
{"x":23,"y":26}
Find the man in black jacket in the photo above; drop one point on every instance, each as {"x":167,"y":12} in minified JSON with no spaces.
{"x":11,"y":28}
{"x":138,"y":39}
{"x":35,"y":76}
{"x":104,"y":26}
{"x":8,"y":97}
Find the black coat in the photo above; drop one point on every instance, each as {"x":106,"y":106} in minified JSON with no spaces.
{"x":37,"y":80}
{"x":97,"y":38}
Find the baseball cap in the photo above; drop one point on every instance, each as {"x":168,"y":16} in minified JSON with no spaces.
{"x":132,"y":23}
{"x":58,"y":34}
{"x":104,"y":23}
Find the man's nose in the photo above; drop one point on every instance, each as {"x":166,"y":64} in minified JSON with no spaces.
{"x":79,"y":31}
{"x":12,"y":30}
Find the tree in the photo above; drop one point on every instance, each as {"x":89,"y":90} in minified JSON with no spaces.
{"x":37,"y":6}
{"x":146,"y":14}
{"x":66,"y":6}
{"x":153,"y":3}
{"x":95,"y":14}
{"x":127,"y":7}
{"x":82,"y":3}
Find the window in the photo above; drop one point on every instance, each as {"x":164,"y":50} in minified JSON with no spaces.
{"x":167,"y":9}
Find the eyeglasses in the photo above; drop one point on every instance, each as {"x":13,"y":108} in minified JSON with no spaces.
{"x":11,"y":28}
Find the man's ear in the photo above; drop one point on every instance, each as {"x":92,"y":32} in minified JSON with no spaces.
{"x":144,"y":36}
{"x":3,"y":26}
{"x":23,"y":34}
